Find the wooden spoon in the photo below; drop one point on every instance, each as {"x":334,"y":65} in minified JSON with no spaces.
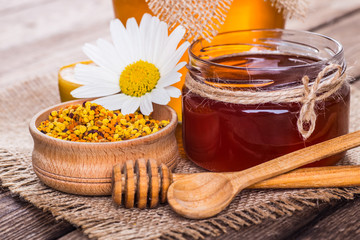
{"x":206,"y":194}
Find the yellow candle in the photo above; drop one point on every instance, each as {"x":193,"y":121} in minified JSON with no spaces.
{"x":65,"y":75}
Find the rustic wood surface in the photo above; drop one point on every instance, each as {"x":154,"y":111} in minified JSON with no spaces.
{"x":39,"y":36}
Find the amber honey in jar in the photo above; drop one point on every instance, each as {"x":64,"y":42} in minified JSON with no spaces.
{"x":226,"y":136}
{"x":243,"y":14}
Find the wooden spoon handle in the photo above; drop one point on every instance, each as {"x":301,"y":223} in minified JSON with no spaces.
{"x":334,"y":176}
{"x":294,"y":160}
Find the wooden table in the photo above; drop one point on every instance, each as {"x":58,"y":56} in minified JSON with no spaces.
{"x":39,"y":36}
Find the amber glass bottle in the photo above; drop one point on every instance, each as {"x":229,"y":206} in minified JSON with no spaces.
{"x":243,"y":14}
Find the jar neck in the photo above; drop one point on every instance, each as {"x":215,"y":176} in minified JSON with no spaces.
{"x":263,"y":59}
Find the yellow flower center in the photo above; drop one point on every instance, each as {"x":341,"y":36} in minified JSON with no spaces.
{"x":139,"y":78}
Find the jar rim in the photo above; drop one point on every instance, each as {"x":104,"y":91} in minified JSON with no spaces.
{"x":275,"y":30}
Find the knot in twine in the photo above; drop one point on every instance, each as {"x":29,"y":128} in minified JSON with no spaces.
{"x":307,"y":95}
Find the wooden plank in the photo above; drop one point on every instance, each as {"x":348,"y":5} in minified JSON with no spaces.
{"x":5,"y":202}
{"x":10,"y":7}
{"x":47,"y":55}
{"x":342,"y":223}
{"x":337,"y":19}
{"x":348,"y":34}
{"x":53,"y":18}
{"x":49,"y":36}
{"x":282,"y":228}
{"x":356,"y":82}
{"x":323,"y":12}
{"x":21,"y":220}
{"x":74,"y":235}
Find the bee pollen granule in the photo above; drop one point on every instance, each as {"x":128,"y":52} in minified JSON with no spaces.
{"x":90,"y":122}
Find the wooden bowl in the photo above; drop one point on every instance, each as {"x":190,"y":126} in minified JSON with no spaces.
{"x":84,"y":168}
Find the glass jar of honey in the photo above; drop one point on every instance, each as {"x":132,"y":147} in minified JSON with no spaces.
{"x":230,"y":136}
{"x":243,"y":14}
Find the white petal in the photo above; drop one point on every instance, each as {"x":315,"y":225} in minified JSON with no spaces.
{"x":130,"y":105}
{"x":134,"y":36}
{"x":160,"y":96}
{"x":173,"y":91}
{"x":90,"y":74}
{"x":144,"y":23}
{"x":143,"y":28}
{"x":148,"y":46}
{"x":97,"y":90}
{"x":160,"y":40}
{"x":151,"y":39}
{"x":121,"y":40}
{"x":171,"y":63}
{"x":113,"y":102}
{"x":171,"y":43}
{"x":146,"y":106}
{"x":100,"y":57}
{"x":169,"y":79}
{"x":113,"y":56}
{"x":180,"y":65}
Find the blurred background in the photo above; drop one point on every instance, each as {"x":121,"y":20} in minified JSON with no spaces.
{"x":39,"y":36}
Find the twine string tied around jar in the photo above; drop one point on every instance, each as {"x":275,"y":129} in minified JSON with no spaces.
{"x":307,"y":95}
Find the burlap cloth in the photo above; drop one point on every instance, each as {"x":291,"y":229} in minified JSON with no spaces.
{"x":98,"y":217}
{"x":203,"y":18}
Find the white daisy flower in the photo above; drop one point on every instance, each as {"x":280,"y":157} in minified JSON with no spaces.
{"x":135,"y":71}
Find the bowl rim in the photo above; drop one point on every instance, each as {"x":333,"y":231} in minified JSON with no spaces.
{"x":125,"y":143}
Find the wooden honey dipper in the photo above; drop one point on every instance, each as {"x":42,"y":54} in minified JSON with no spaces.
{"x":332,"y":176}
{"x":145,"y":183}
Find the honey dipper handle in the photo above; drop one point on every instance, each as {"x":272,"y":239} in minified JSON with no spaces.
{"x":294,"y":160}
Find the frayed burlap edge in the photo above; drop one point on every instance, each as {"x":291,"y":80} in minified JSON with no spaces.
{"x":22,"y":181}
{"x":291,"y":8}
